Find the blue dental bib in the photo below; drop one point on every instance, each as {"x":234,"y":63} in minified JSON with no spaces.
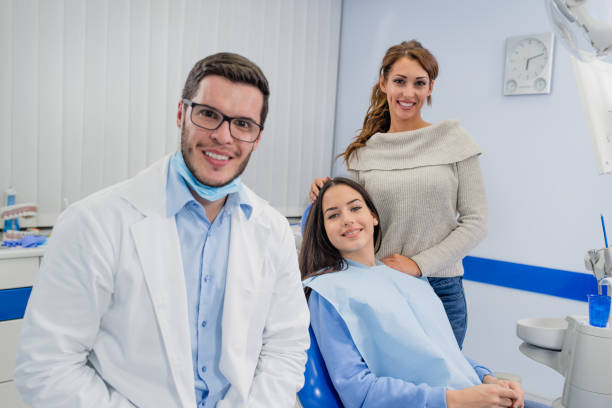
{"x":398,"y":325}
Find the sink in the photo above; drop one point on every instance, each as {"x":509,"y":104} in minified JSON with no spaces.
{"x":546,"y":332}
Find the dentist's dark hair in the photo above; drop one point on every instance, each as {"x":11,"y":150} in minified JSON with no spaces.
{"x":318,"y":256}
{"x":230,"y":66}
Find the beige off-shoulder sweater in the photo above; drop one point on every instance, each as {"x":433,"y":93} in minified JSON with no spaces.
{"x":429,"y":191}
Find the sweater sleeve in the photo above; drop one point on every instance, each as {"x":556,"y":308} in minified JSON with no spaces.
{"x":472,"y":221}
{"x":356,"y":385}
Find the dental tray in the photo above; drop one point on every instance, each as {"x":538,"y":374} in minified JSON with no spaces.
{"x":543,"y":332}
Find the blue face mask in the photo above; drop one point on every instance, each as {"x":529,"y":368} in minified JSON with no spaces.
{"x":204,"y":191}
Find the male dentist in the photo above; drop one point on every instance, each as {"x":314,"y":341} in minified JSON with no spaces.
{"x":179,"y":287}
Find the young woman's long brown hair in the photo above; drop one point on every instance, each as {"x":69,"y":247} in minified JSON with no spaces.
{"x":317,"y":255}
{"x":377,"y":118}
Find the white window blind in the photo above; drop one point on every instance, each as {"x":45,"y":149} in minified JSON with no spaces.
{"x":89,"y":90}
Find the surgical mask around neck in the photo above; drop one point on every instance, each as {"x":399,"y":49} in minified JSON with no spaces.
{"x":204,"y":191}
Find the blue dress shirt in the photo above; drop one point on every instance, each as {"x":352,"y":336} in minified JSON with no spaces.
{"x":204,"y":251}
{"x":356,"y":385}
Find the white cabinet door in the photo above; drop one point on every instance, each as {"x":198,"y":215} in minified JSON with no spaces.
{"x":9,"y":334}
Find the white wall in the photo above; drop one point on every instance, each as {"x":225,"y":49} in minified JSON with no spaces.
{"x":544,"y":193}
{"x":89,"y":90}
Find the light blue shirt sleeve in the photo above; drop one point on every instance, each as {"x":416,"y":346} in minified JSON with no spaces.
{"x":356,"y":385}
{"x":480,"y":369}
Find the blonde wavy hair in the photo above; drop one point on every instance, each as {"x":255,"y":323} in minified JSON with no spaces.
{"x":377,"y":118}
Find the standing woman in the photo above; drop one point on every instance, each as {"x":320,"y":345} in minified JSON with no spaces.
{"x":425,"y":179}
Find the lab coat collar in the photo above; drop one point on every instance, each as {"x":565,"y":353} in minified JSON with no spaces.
{"x":147,"y":190}
{"x":157,"y":244}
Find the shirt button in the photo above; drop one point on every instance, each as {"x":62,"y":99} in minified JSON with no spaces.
{"x":203,"y":369}
{"x":204,"y":323}
{"x":206,"y":278}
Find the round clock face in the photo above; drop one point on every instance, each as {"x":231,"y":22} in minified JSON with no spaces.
{"x":527,"y":59}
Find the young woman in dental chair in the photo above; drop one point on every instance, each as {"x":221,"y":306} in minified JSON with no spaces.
{"x":383,"y":334}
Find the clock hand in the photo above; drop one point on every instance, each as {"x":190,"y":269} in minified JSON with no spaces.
{"x":530,"y":58}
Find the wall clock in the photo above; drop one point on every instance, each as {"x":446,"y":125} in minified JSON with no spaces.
{"x":529,"y":60}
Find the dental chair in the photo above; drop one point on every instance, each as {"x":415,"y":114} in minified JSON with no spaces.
{"x":318,"y":390}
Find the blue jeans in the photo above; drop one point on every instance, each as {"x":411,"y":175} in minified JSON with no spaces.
{"x":450,"y":291}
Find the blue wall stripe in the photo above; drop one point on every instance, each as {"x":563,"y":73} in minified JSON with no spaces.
{"x":548,"y":281}
{"x":13,"y":303}
{"x":555,"y":282}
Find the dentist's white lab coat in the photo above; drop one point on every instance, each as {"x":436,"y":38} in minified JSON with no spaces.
{"x":107,"y":326}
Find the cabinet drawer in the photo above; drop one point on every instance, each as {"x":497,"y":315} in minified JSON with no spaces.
{"x":18,"y":272}
{"x":10,"y":396}
{"x":9,"y":335}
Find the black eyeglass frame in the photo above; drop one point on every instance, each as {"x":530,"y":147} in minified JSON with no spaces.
{"x":226,"y":118}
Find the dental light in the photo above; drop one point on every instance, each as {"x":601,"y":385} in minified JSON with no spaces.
{"x":585,"y":28}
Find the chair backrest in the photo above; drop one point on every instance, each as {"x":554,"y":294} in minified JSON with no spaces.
{"x":305,"y":217}
{"x":318,"y":391}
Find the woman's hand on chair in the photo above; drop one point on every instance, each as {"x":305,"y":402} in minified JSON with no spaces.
{"x":403,"y":264}
{"x":484,"y":396}
{"x":316,"y":185}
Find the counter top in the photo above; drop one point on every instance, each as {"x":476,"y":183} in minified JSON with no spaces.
{"x":7,"y":253}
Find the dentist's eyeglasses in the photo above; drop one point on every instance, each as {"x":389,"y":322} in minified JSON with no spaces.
{"x":206,"y":117}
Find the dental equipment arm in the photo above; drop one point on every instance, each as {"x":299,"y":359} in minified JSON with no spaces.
{"x":597,"y":32}
{"x":590,"y":40}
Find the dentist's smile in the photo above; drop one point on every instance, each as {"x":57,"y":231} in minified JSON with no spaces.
{"x":216,"y":158}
